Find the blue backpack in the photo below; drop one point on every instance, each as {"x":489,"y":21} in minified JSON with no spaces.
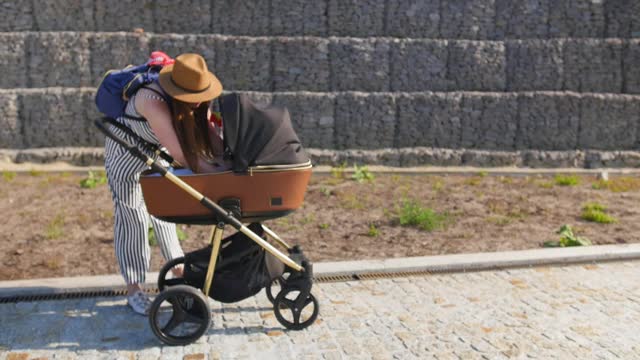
{"x":117,"y":86}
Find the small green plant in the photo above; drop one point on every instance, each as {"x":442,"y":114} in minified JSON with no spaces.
{"x":93,"y":179}
{"x":182,"y":236}
{"x":595,"y":212}
{"x":34,"y":172}
{"x":473,"y":181}
{"x":8,"y":175}
{"x":506,"y":180}
{"x":483,"y":173}
{"x":337,"y":172}
{"x":566,"y":180}
{"x":598,"y":217}
{"x":55,"y":229}
{"x":373,"y":231}
{"x":152,"y":237}
{"x":412,"y":214}
{"x":594,"y":206}
{"x":438,"y":185}
{"x":545,"y":184}
{"x":323,"y":226}
{"x":567,"y":238}
{"x":325,"y":191}
{"x":362,"y":174}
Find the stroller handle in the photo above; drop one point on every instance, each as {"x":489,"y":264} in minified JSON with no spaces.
{"x":101,"y":124}
{"x":226,"y":216}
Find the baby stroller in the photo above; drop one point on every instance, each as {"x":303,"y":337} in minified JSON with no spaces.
{"x":268,"y":179}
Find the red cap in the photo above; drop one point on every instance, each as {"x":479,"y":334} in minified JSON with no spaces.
{"x":160,"y":58}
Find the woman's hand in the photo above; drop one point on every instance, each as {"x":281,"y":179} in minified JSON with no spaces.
{"x":216,"y":139}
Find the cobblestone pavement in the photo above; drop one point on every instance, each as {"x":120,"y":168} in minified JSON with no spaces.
{"x":575,"y":312}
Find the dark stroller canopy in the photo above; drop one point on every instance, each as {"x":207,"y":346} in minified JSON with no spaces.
{"x":256,"y":135}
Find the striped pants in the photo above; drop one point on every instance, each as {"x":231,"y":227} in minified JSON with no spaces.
{"x":131,"y":223}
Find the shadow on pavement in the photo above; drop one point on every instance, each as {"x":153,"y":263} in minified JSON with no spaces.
{"x":97,"y":324}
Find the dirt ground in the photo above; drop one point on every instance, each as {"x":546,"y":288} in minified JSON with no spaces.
{"x":52,"y":227}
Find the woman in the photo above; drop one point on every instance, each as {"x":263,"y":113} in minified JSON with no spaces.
{"x":173,"y":112}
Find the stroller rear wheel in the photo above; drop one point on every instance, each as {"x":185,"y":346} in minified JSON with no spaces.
{"x":276,"y":286}
{"x":295,"y":311}
{"x":163,"y":280}
{"x":180,"y":315}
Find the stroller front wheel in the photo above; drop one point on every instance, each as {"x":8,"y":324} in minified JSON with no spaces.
{"x":180,"y":315}
{"x":163,"y":281}
{"x":293,"y":310}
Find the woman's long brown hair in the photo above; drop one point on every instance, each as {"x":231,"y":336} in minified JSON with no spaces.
{"x":192,"y":128}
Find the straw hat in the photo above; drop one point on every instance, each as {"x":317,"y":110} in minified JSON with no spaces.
{"x":189,"y":80}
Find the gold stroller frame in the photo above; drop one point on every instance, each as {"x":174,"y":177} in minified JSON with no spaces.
{"x":218,"y":229}
{"x":300,"y":273}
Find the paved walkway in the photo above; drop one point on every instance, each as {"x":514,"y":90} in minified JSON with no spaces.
{"x":574,"y":312}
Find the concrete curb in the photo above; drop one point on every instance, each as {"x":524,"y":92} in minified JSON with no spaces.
{"x":441,"y":263}
{"x":379,"y":169}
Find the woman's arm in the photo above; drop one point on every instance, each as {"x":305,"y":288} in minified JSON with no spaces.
{"x":158,"y":115}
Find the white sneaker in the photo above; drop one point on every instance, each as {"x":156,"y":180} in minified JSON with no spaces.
{"x":139,"y":302}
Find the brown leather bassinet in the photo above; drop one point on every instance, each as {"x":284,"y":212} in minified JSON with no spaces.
{"x":268,"y":177}
{"x":264,"y":192}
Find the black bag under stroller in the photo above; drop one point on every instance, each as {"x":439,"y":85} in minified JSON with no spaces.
{"x":243,"y":267}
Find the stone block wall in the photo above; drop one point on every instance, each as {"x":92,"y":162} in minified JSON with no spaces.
{"x":478,"y":81}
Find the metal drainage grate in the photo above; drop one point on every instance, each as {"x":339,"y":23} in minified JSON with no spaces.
{"x":61,"y":296}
